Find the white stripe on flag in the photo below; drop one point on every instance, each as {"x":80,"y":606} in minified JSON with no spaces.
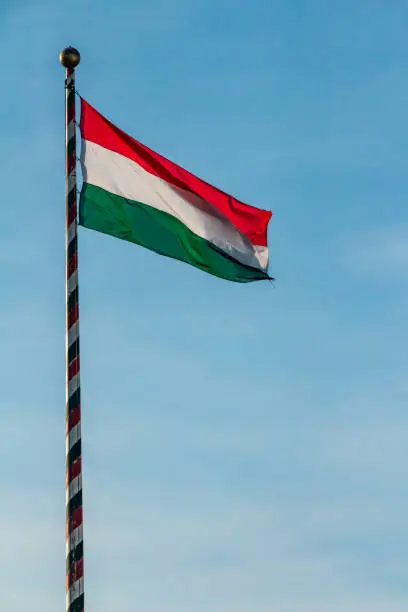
{"x":123,"y":177}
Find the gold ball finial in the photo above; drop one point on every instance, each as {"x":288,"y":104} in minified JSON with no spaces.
{"x":69,"y":57}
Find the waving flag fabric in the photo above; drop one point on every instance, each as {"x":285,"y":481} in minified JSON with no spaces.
{"x":133,"y":193}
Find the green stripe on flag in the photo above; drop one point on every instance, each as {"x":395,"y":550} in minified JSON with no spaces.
{"x":158,"y":231}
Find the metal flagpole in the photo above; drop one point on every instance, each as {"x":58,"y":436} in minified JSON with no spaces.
{"x":70,"y":58}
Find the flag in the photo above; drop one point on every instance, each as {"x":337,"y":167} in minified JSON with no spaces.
{"x":133,"y":193}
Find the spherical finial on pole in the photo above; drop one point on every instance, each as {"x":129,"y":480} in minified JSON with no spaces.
{"x":69,"y":57}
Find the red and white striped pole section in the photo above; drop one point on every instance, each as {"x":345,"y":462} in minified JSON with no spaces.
{"x":70,"y":58}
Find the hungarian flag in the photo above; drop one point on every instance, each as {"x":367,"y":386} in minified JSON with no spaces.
{"x":133,"y":193}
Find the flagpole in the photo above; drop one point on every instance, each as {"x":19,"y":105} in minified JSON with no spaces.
{"x":70,"y":58}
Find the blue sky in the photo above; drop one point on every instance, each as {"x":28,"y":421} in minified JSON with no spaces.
{"x":245,"y":446}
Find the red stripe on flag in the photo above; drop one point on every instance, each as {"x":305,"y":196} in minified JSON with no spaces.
{"x":250,"y":221}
